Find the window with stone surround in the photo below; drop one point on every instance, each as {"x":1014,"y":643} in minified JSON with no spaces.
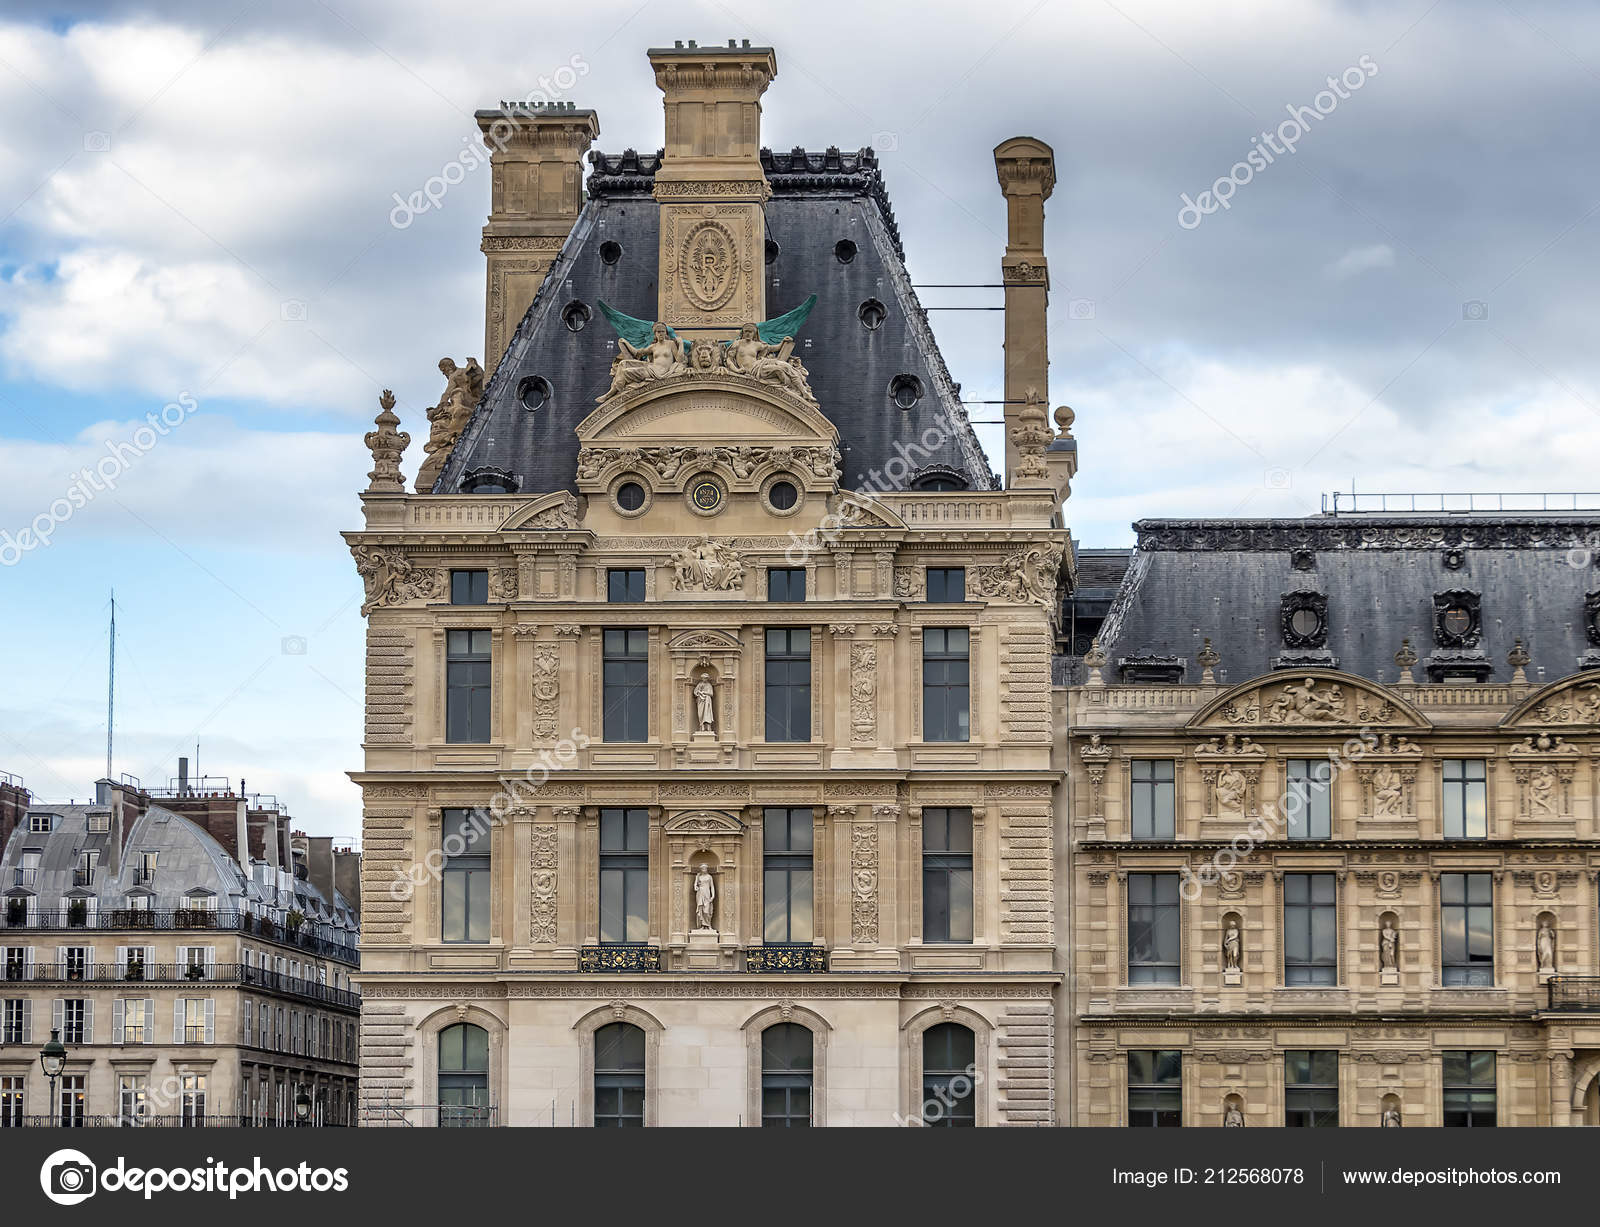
{"x":786,"y":1069}
{"x":1469,"y":1090}
{"x":949,"y":1076}
{"x":946,"y":875}
{"x":467,"y":686}
{"x":946,"y":683}
{"x":1155,"y":1089}
{"x":1466,"y":798}
{"x":1154,"y":929}
{"x":624,"y":876}
{"x":787,"y":876}
{"x":619,"y":1076}
{"x":464,"y":885}
{"x":788,"y":684}
{"x":1310,"y":814}
{"x":1310,"y":911}
{"x":1466,"y":926}
{"x":626,"y":682}
{"x":1153,"y":808}
{"x":1311,"y":1089}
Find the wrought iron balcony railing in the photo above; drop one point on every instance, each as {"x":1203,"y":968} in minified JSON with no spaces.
{"x":241,"y":974}
{"x":309,"y":935}
{"x":1575,"y":993}
{"x":619,"y":958}
{"x":786,"y":958}
{"x":140,"y":1121}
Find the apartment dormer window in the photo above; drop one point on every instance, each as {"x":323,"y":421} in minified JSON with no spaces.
{"x":41,"y":823}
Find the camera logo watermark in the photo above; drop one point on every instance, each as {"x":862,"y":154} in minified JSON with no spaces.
{"x":70,"y":1177}
{"x":1280,"y":142}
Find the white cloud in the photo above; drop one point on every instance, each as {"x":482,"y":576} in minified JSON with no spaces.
{"x":1360,"y":260}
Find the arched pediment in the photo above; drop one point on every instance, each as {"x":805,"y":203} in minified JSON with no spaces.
{"x":556,"y":510}
{"x":709,"y":410}
{"x":1306,"y":699}
{"x":702,"y":822}
{"x":857,"y":510}
{"x":705,"y":639}
{"x":1570,"y":700}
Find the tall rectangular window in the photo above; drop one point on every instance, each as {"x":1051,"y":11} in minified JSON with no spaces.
{"x":469,"y":587}
{"x":947,"y":585}
{"x":1154,"y":929}
{"x":1469,"y":1087}
{"x":72,"y":1101}
{"x":1466,"y":902}
{"x":1155,"y":1089}
{"x":1310,"y":912}
{"x":946,"y":875}
{"x":136,"y":1021}
{"x":1310,"y":814}
{"x":467,"y":686}
{"x":133,"y":1093}
{"x":625,"y":586}
{"x":12,"y":1103}
{"x":786,"y":583}
{"x":464,"y":883}
{"x":946,"y":683}
{"x":1466,"y":799}
{"x":786,"y":876}
{"x":788,"y":691}
{"x":1153,"y":812}
{"x":192,"y":1107}
{"x":624,"y":876}
{"x":1311,"y":1089}
{"x":75,"y":1025}
{"x":14,"y":1020}
{"x":626,"y":677}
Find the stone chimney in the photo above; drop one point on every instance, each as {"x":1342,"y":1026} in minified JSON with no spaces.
{"x":710,"y":187}
{"x":1027,"y":171}
{"x":536,"y":160}
{"x":14,"y":802}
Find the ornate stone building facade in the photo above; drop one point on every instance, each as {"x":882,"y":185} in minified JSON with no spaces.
{"x":1333,"y":819}
{"x":709,"y":747}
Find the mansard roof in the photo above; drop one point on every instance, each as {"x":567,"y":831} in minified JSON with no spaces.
{"x":1383,"y":577}
{"x":830,"y":231}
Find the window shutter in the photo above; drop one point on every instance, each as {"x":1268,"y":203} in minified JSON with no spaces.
{"x":27,"y":962}
{"x":88,"y":1020}
{"x":177,"y":1021}
{"x":149,"y":960}
{"x":211,"y":962}
{"x":57,"y":1009}
{"x":118,"y":1013}
{"x":88,"y":963}
{"x":122,"y":959}
{"x":27,"y":1020}
{"x":61,"y":963}
{"x":211,"y":1021}
{"x":149,"y":1020}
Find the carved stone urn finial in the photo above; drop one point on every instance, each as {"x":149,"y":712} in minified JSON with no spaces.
{"x":1095,"y":658}
{"x":1519,"y":660}
{"x":1405,"y":658}
{"x":1209,"y":660}
{"x":386,"y":445}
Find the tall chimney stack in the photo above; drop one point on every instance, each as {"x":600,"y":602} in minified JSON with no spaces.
{"x":537,"y":165}
{"x":710,"y":187}
{"x":1027,"y":171}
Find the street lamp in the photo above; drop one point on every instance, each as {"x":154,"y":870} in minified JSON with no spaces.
{"x":53,"y":1059}
{"x":302,"y":1107}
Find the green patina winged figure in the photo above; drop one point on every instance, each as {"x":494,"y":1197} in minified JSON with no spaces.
{"x":648,"y":350}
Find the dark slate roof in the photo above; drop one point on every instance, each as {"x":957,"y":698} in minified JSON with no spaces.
{"x":1226,"y":579}
{"x":818,"y":200}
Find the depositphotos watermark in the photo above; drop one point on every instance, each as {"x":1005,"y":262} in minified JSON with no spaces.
{"x":100,"y":478}
{"x":1281,"y":142}
{"x":552,"y":88}
{"x":70,"y":1177}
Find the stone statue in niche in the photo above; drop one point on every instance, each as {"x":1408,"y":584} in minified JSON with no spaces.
{"x":704,"y":704}
{"x":1388,"y":946}
{"x":1391,"y":1115}
{"x":1388,"y":792}
{"x":1545,"y":945}
{"x":1231,"y":786}
{"x":1232,"y":945}
{"x":705,"y":898}
{"x":1232,"y":1115}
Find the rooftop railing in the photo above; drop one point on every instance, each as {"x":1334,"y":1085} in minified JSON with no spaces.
{"x":307,"y":936}
{"x":1348,"y":502}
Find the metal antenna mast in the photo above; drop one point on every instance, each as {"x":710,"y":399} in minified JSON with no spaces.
{"x":111,"y":683}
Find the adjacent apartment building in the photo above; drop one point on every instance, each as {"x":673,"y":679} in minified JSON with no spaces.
{"x":191,"y":952}
{"x":708,"y":756}
{"x":1334,"y":825}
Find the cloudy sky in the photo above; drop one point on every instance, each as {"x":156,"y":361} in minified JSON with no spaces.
{"x":195,"y":203}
